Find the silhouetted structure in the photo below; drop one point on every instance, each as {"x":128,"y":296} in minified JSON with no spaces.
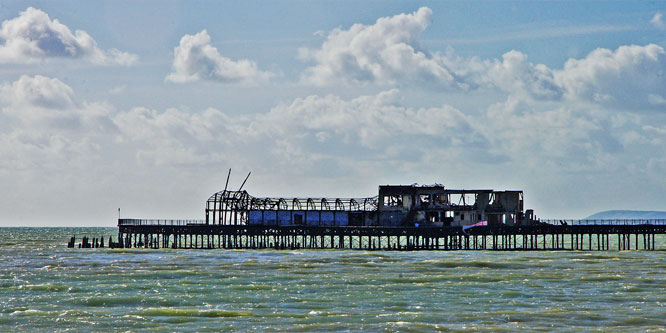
{"x":396,"y":205}
{"x":400,"y":217}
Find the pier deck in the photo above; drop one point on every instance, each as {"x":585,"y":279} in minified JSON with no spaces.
{"x":182,"y":234}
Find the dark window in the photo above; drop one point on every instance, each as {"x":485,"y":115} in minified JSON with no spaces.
{"x":355,"y":219}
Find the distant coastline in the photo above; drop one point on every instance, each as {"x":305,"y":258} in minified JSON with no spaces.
{"x":628,"y":214}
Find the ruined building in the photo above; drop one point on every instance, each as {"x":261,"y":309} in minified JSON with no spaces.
{"x":395,"y":206}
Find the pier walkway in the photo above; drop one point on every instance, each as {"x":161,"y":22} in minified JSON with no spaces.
{"x":590,"y":235}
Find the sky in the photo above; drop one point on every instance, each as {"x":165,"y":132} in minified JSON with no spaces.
{"x":145,"y":105}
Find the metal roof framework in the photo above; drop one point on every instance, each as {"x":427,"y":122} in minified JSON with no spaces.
{"x":231,"y":207}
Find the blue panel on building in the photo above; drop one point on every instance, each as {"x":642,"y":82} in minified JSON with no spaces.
{"x":270,"y":217}
{"x":284,"y":217}
{"x":255,"y":217}
{"x":342,"y":218}
{"x":312,"y":218}
{"x":327,"y":218}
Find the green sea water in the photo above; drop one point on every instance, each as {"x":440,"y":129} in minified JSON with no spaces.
{"x":45,"y":286}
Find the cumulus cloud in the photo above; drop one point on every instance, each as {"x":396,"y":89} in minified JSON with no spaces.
{"x":514,"y":74}
{"x":174,"y":136}
{"x":575,"y":118}
{"x":631,"y":77}
{"x":33,"y":36}
{"x":375,"y":121}
{"x":387,"y":52}
{"x":196,"y":59}
{"x":658,"y":21}
{"x":299,"y":133}
{"x":40,"y":101}
{"x":47,"y":135}
{"x":38,"y":91}
{"x":26,"y":150}
{"x":568,"y":146}
{"x":47,"y":103}
{"x":307,"y":131}
{"x":561,"y":137}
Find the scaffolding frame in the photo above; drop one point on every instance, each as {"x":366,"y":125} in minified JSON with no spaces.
{"x":233,"y":207}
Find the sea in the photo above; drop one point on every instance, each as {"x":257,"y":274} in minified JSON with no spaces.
{"x":45,"y":286}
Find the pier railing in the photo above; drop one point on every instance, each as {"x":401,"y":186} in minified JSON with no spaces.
{"x":146,"y":222}
{"x":141,"y":222}
{"x":608,"y":222}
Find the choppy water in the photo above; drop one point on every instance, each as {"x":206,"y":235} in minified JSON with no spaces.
{"x":44,"y":286}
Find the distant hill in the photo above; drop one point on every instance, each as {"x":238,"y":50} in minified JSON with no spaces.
{"x":627,"y":214}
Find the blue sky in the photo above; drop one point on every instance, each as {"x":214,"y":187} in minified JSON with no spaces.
{"x":145,"y":105}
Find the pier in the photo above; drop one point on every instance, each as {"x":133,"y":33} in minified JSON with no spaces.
{"x":576,"y":235}
{"x":400,"y":217}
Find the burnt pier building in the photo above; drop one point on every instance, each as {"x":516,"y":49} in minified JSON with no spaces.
{"x":400,"y":217}
{"x":394,"y":206}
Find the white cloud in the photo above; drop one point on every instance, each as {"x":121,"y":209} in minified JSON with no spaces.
{"x":298,"y":134}
{"x":48,"y":132}
{"x":658,"y":21}
{"x":376,"y":122}
{"x":514,"y":74}
{"x":568,"y":155}
{"x":40,"y":102}
{"x":53,"y":148}
{"x":551,"y":136}
{"x":196,"y":59}
{"x":44,"y":103}
{"x":39,"y":91}
{"x":175,"y":137}
{"x":632,"y":77}
{"x":33,"y":36}
{"x":302,"y":133}
{"x":32,"y":150}
{"x":121,"y":58}
{"x":387,"y":52}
